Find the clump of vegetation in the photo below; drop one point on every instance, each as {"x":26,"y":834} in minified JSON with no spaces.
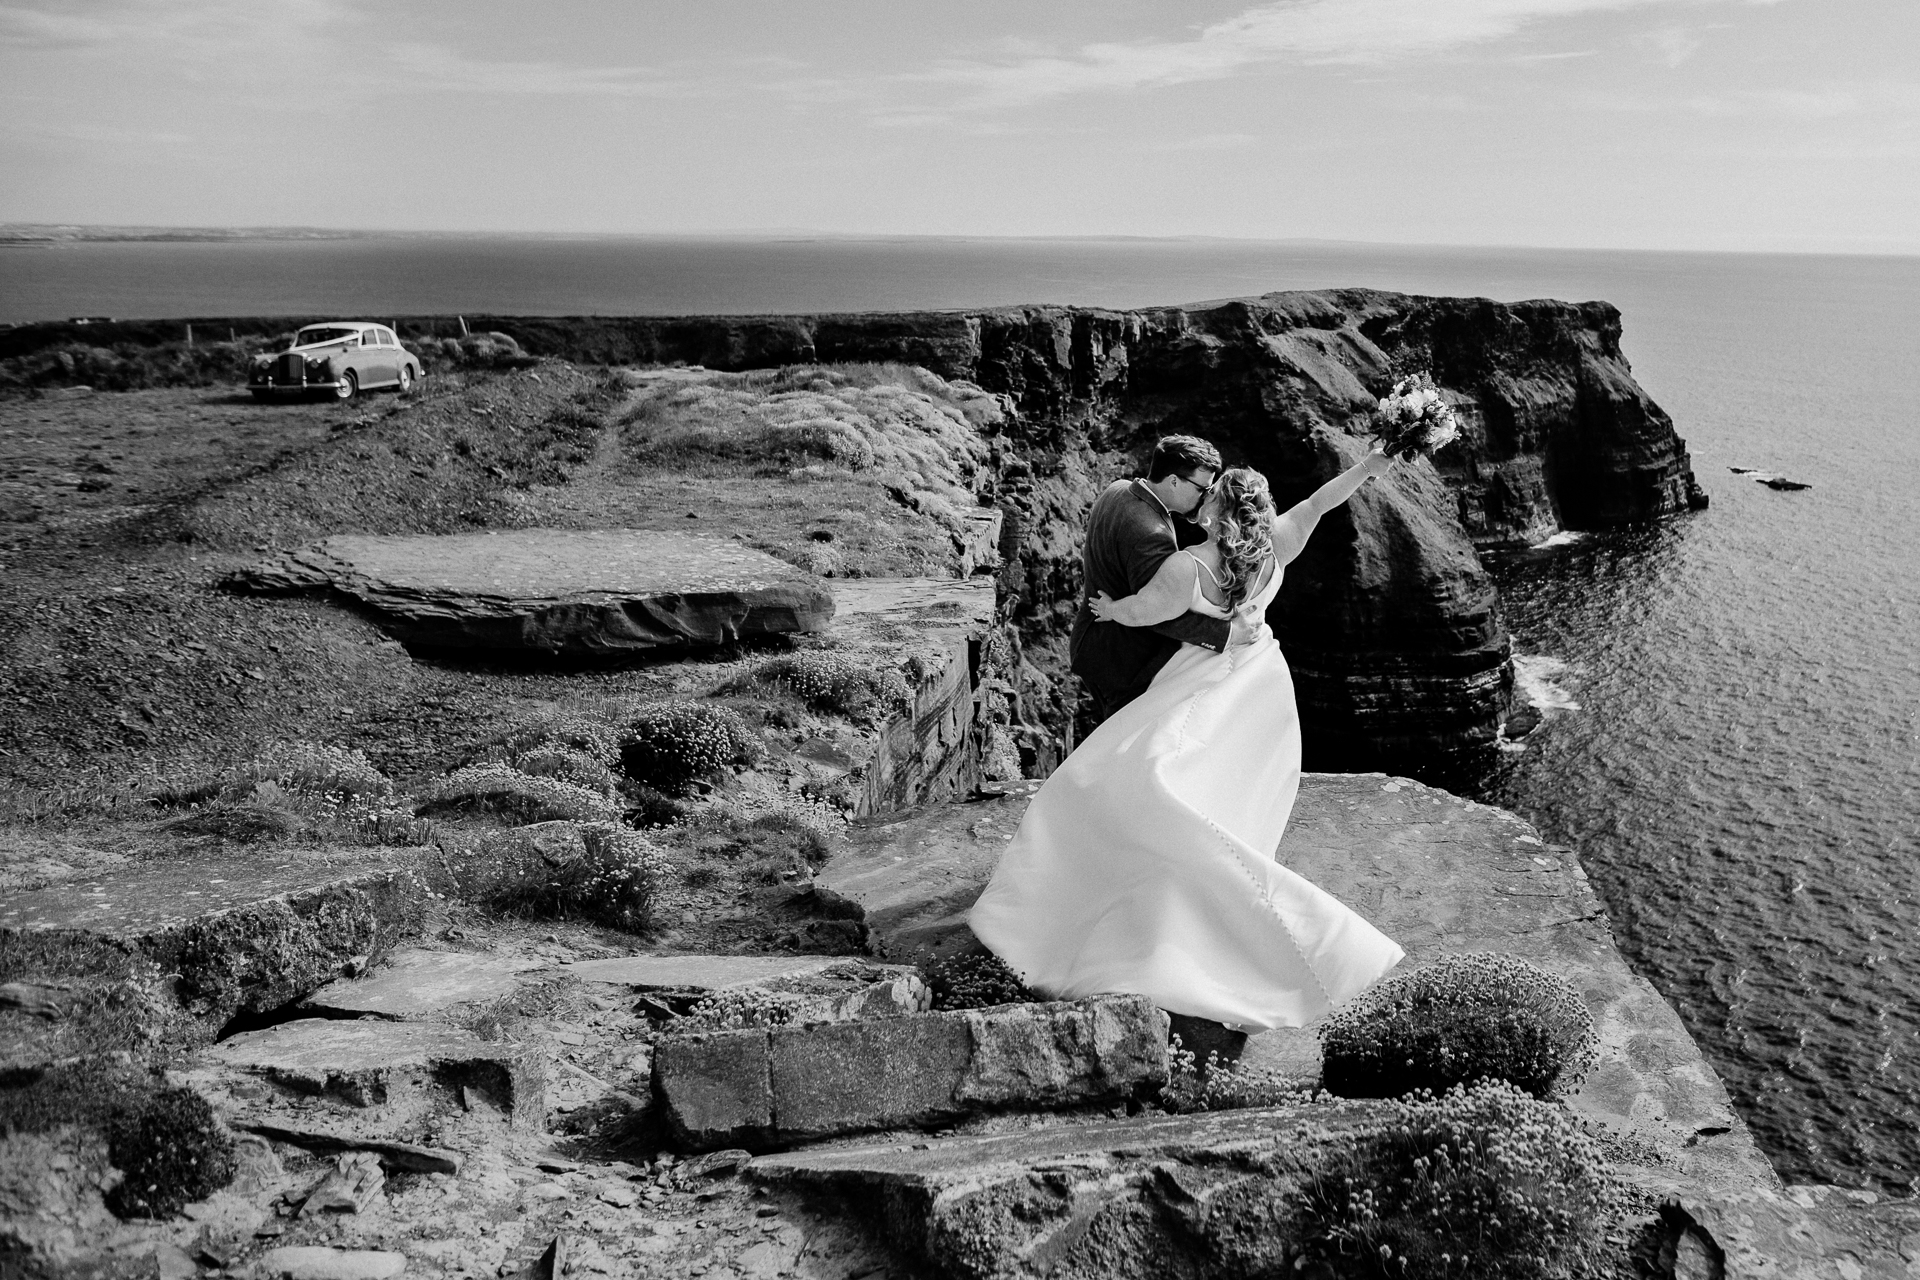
{"x":281,"y":792}
{"x":244,"y":822}
{"x":504,"y":791}
{"x":742,"y":1007}
{"x":172,"y":1152}
{"x":838,"y":682}
{"x":293,"y":768}
{"x":768,"y":847}
{"x":1458,"y":1021}
{"x":1485,"y":1182}
{"x":610,"y":875}
{"x":313,"y":768}
{"x":671,"y":745}
{"x":166,"y":1142}
{"x":1214,"y":1085}
{"x":973,"y":980}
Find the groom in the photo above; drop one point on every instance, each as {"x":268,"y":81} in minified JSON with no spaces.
{"x":1133,"y":527}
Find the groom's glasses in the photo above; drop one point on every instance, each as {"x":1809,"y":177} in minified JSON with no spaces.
{"x":1204,"y":489}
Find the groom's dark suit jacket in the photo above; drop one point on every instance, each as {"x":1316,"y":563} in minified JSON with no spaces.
{"x":1129,"y":534}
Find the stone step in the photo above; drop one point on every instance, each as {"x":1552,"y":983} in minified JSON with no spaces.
{"x":416,"y":984}
{"x":1146,"y":1197}
{"x":583,"y":592}
{"x":914,"y":874}
{"x":218,"y":935}
{"x":768,"y":1087}
{"x":1439,"y":874}
{"x":393,"y":1079}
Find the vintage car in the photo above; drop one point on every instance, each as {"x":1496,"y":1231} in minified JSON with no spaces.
{"x":340,"y":358}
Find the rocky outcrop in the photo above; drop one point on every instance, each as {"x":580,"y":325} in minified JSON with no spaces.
{"x":180,"y":947}
{"x":1389,"y":621}
{"x":576,"y":592}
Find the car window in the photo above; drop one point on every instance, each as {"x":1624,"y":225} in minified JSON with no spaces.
{"x":387,"y":339}
{"x":320,"y":333}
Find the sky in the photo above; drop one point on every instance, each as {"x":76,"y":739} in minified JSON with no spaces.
{"x":1643,"y":124}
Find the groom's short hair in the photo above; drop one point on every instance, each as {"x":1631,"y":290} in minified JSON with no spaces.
{"x":1177,"y":455}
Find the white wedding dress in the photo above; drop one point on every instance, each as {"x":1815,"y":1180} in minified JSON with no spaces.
{"x":1146,"y":863}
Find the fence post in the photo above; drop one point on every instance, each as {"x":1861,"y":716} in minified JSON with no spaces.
{"x":189,"y":335}
{"x":464,"y":331}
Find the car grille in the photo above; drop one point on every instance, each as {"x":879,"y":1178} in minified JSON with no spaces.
{"x":290,"y":369}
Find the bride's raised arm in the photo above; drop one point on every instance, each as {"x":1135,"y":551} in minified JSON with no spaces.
{"x":1167,"y":595}
{"x":1292,"y":527}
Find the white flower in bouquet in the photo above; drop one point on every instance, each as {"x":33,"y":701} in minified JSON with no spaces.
{"x":1414,"y":418}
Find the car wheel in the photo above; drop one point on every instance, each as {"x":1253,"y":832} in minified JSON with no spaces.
{"x":347,"y":387}
{"x":406,"y":378}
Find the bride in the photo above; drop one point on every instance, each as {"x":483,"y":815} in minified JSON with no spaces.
{"x":1146,"y":863}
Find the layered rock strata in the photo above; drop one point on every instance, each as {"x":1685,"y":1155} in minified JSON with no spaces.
{"x":582,"y":593}
{"x":1389,"y":621}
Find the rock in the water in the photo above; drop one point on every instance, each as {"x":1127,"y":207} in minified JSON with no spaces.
{"x":390,"y":1076}
{"x":577,"y":592}
{"x":418,"y":984}
{"x":764,"y":1087}
{"x":317,"y":1262}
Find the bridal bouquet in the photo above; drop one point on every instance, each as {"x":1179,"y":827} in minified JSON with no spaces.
{"x":1413,"y":419}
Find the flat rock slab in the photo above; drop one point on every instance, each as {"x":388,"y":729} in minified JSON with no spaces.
{"x":1143,"y":1198}
{"x":767,"y":1087}
{"x":239,"y":933}
{"x":403,"y":1070}
{"x":966,"y":603}
{"x":914,"y":875}
{"x":318,"y":1262}
{"x":580,"y":592}
{"x":697,"y":973}
{"x":1800,"y":1233}
{"x":418,"y":984}
{"x":1439,"y":874}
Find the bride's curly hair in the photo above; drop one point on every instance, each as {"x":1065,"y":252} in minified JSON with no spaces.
{"x":1244,"y":530}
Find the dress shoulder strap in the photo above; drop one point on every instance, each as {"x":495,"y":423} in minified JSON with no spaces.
{"x":1203,"y":564}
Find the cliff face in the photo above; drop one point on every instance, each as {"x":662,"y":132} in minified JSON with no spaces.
{"x":1389,"y":621}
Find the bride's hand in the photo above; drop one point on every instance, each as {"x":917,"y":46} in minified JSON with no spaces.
{"x":1102,"y":606}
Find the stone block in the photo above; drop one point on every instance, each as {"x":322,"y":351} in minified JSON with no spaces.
{"x":848,"y":1076}
{"x":763,"y":1087}
{"x":715,"y":1088}
{"x":1057,"y":1055}
{"x":319,"y":1262}
{"x":418,"y":984}
{"x":559,"y":591}
{"x":394,"y":1074}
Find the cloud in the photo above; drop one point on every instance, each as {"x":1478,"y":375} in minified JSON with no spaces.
{"x":436,"y":68}
{"x":1210,"y":142}
{"x":1676,"y":44}
{"x":1305,"y":31}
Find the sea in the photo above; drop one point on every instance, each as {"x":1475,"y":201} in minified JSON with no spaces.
{"x":1730,"y":699}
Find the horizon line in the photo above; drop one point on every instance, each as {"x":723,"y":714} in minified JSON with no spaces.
{"x":162,"y":232}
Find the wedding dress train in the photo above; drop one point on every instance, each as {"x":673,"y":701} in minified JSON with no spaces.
{"x":1146,"y":863}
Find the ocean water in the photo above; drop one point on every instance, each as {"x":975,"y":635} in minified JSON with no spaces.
{"x":1730,"y":699}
